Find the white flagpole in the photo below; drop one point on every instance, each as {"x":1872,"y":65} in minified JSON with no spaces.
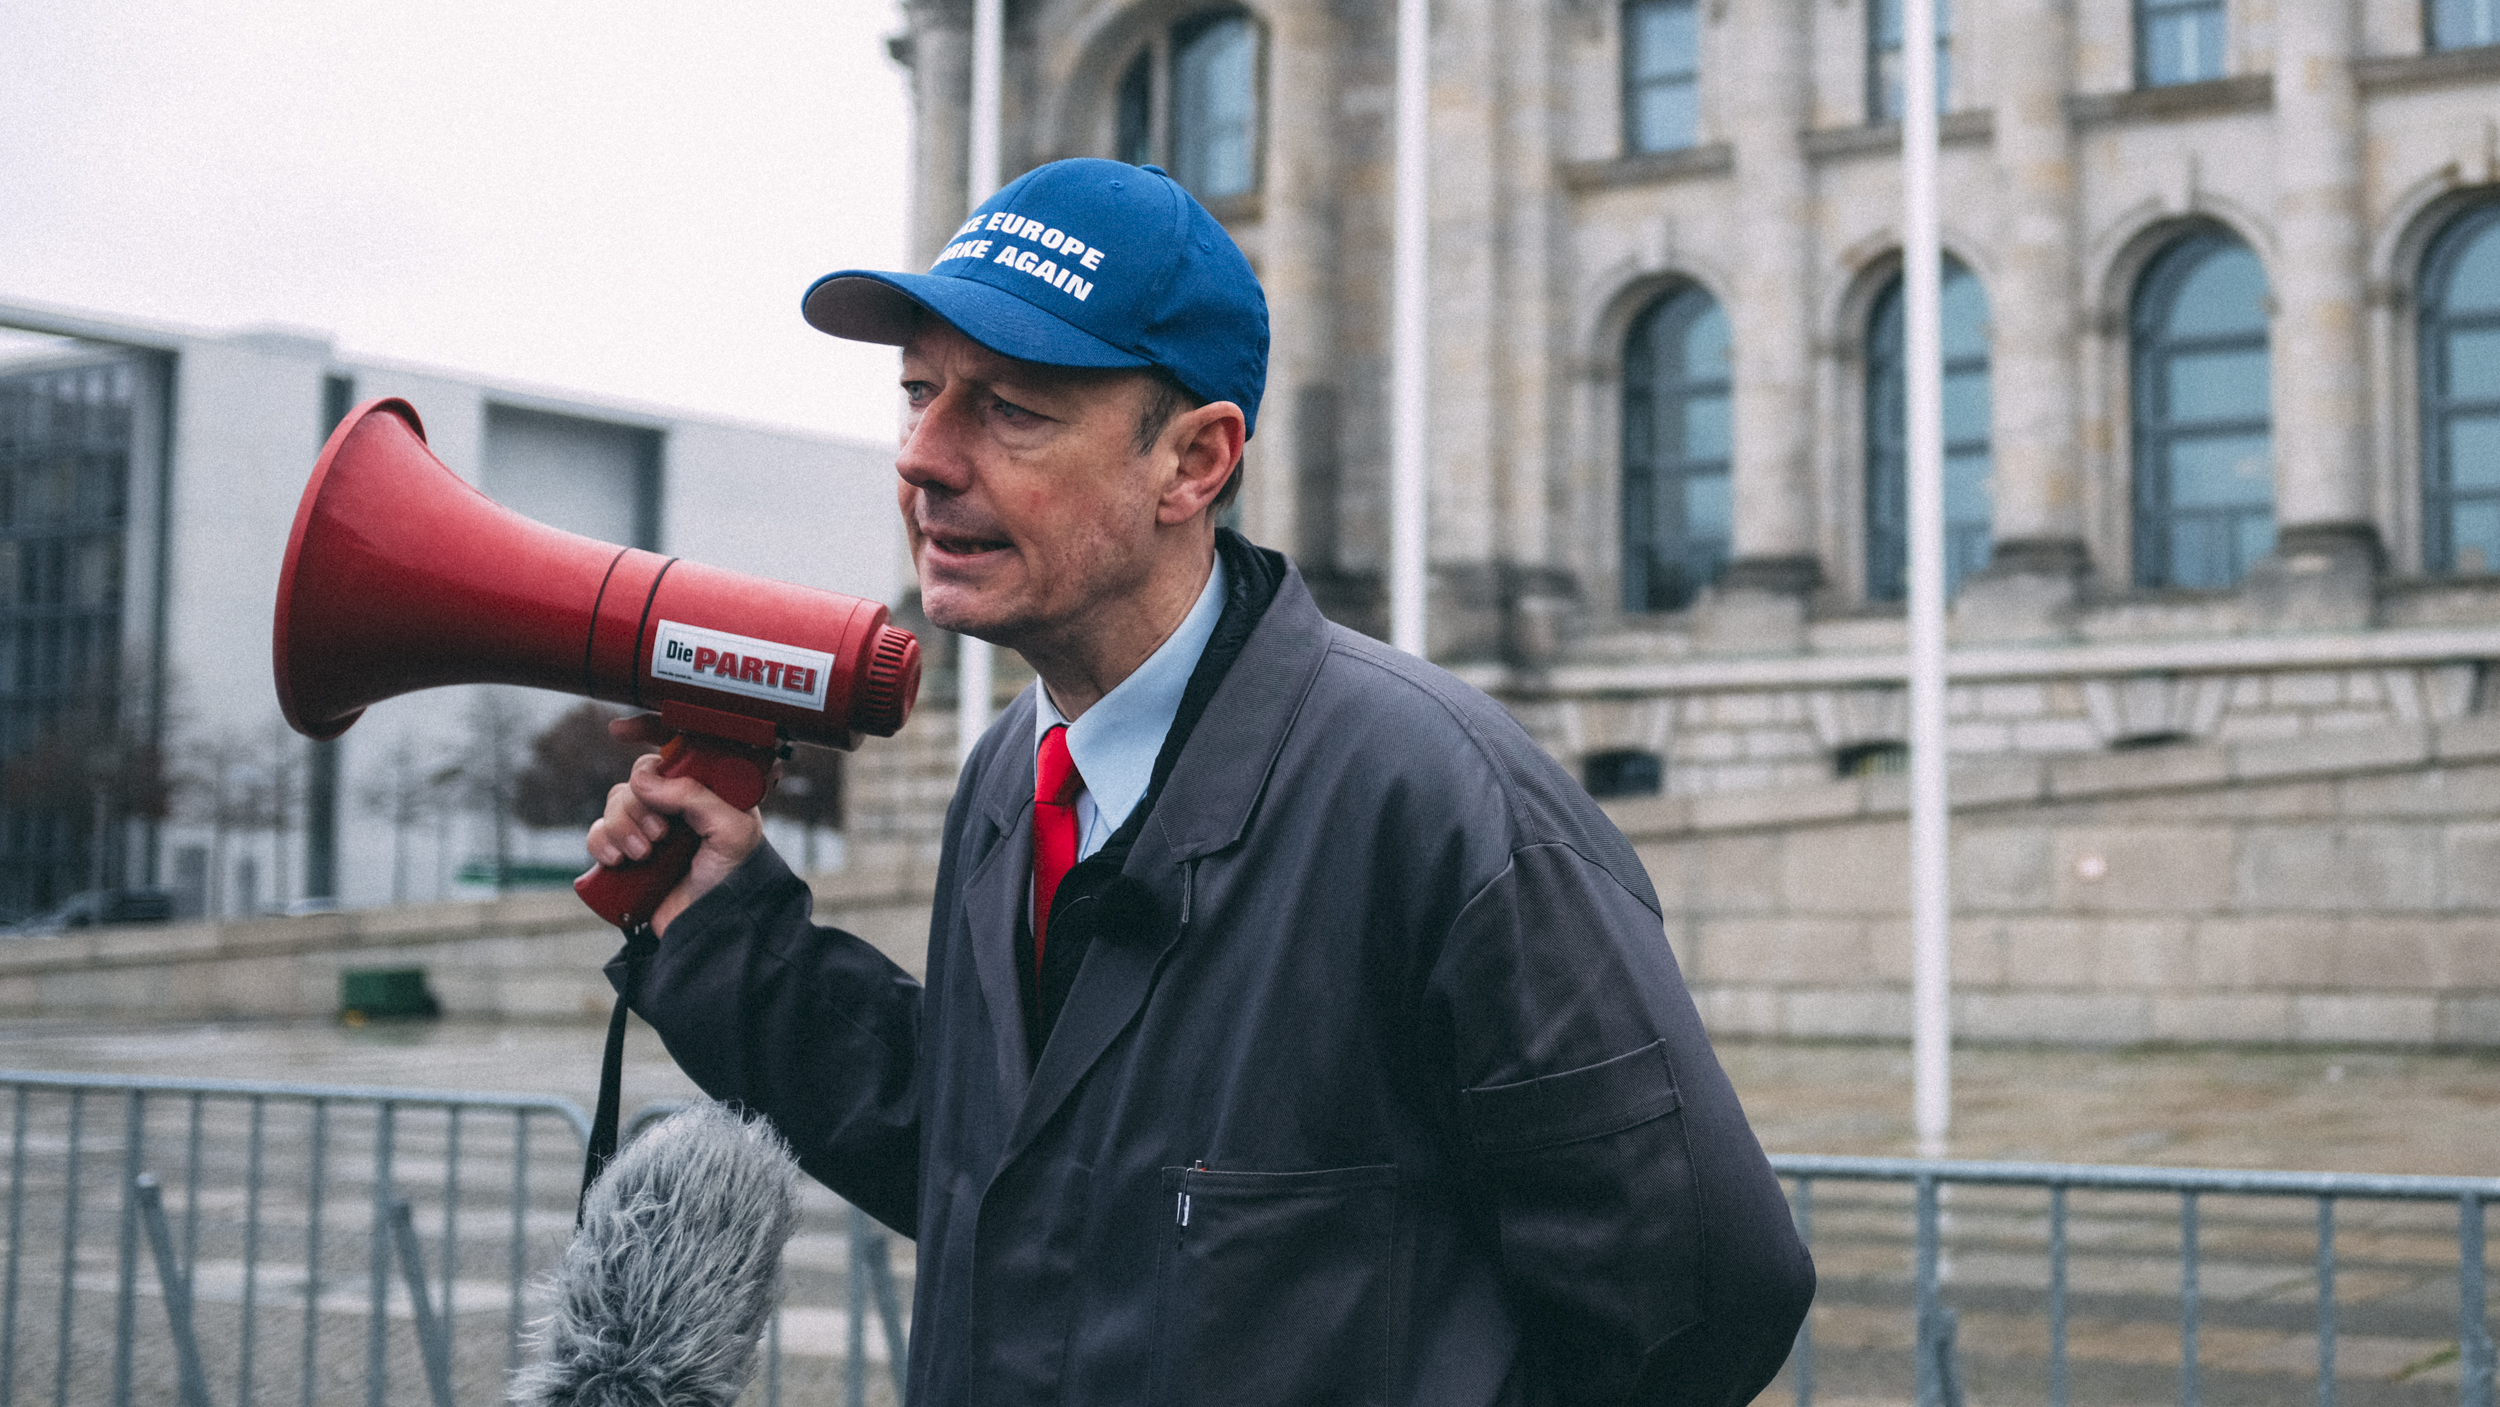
{"x":989,"y":25}
{"x":1931,"y":905}
{"x":1408,"y":329}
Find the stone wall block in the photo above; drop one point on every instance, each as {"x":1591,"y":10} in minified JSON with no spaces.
{"x":2451,"y":954}
{"x":1739,"y":1011}
{"x":1784,"y":952}
{"x":2219,"y":1016}
{"x":2331,"y":752}
{"x":1827,"y":801}
{"x":2305,"y":689}
{"x":2113,"y":773}
{"x":2054,"y":735}
{"x":2472,"y":791}
{"x":2370,"y":868}
{"x":2144,"y":869}
{"x":1846,"y":1013}
{"x":2039,"y":952}
{"x":2053,"y":1018}
{"x":2299,"y":801}
{"x":2473,"y":738}
{"x":2364,"y":1018}
{"x":2469,"y":1020}
{"x":1736,"y":874}
{"x":2148,"y":955}
{"x":2470,"y":866}
{"x":2275,"y":953}
{"x":1996,"y":781}
{"x":2001,"y":867}
{"x":1847,"y":869}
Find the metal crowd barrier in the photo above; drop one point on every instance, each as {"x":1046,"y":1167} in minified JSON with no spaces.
{"x":2007,"y":1265}
{"x":254,"y":1243}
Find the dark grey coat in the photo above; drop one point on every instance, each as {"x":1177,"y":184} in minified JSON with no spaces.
{"x":1390,"y":1093}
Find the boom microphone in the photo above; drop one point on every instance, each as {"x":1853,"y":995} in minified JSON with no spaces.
{"x":666,"y":1290}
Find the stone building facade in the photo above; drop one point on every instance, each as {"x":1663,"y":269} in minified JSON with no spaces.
{"x":2222,"y":338}
{"x":2226,"y":398}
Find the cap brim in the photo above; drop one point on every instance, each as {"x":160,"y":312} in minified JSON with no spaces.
{"x":866,"y":305}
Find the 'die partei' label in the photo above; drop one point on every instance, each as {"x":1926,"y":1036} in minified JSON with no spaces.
{"x":736,"y":664}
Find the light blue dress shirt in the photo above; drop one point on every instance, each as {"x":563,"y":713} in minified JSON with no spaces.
{"x":1115,"y":744}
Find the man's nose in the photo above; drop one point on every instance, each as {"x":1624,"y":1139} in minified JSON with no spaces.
{"x":935,"y":446}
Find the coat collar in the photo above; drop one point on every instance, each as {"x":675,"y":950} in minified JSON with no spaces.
{"x":993,"y":895}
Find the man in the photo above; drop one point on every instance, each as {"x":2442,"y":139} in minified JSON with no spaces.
{"x":1295,"y":1031}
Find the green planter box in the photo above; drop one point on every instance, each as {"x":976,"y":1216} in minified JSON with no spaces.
{"x":373,"y":993}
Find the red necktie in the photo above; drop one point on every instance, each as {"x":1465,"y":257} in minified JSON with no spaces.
{"x":1056,"y":787}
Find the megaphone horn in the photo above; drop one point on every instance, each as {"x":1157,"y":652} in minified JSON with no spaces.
{"x":400,"y":576}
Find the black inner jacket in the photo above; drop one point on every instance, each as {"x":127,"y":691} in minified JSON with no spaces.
{"x":1096,"y":899}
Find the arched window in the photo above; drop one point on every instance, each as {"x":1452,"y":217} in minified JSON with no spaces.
{"x":1214,"y":106}
{"x":1661,"y":74}
{"x":1207,"y":130}
{"x":1676,"y":508}
{"x":2461,"y":396}
{"x":2204,"y":421}
{"x":1967,"y":514}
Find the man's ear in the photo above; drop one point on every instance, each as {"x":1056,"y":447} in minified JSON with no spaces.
{"x":1206,"y":447}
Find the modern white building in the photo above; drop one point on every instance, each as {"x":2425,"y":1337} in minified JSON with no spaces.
{"x":148,"y":478}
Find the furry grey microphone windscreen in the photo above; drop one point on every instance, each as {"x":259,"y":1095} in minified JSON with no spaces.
{"x":666,"y":1290}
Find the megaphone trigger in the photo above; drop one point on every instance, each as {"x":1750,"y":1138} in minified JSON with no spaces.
{"x":732,"y":755}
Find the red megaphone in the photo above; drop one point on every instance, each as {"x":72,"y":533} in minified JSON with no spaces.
{"x":401,"y":576}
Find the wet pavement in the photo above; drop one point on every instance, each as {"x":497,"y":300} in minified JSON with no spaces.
{"x":2320,"y":1109}
{"x":2331,"y":1110}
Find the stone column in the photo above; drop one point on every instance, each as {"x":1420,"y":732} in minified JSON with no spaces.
{"x":2327,"y":555}
{"x":939,"y":35}
{"x":1291,"y":499}
{"x":2038,"y":564}
{"x":1773,"y":567}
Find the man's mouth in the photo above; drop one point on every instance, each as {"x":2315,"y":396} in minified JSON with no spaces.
{"x":962,"y":544}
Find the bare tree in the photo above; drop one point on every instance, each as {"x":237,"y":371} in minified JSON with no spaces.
{"x":93,"y":764}
{"x":407,"y":796}
{"x":490,"y":773}
{"x":228,"y":784}
{"x":573,"y":763}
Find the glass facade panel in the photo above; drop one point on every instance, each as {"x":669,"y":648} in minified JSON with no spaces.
{"x":2204,"y":475}
{"x":2218,"y":385}
{"x":2177,"y":41}
{"x":2460,"y":356}
{"x":2472,"y":446}
{"x":1967,"y":462}
{"x":76,"y":765}
{"x":1214,"y":107}
{"x":1884,"y":69}
{"x":1661,"y":74}
{"x":1677,"y":507}
{"x":2464,"y":24}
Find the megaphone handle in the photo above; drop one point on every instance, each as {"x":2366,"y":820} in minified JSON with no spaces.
{"x":740,"y":774}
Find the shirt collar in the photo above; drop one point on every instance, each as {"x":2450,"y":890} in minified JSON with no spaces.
{"x":1115,"y":744}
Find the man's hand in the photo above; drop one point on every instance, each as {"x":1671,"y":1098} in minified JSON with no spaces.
{"x":638,"y":814}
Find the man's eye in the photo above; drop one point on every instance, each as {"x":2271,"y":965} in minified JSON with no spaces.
{"x":1010,"y":412}
{"x":916,"y":391}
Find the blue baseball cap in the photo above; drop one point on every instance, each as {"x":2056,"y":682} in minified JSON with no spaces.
{"x":1080,"y":263}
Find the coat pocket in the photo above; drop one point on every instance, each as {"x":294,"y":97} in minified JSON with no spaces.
{"x":1599,"y":1212}
{"x":1276,"y":1288}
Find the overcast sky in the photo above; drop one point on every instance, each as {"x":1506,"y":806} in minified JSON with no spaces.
{"x":623,"y":198}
